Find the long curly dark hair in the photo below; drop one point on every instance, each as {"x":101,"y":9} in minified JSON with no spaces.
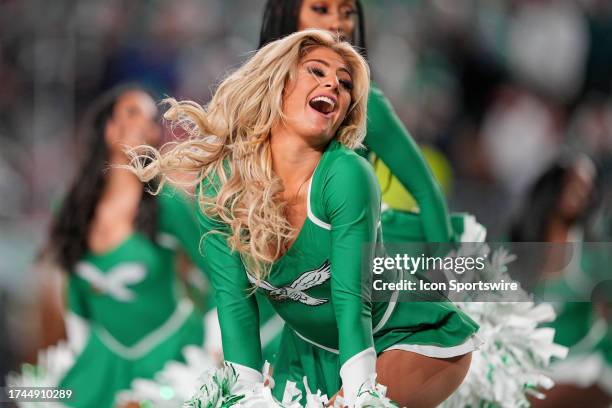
{"x":70,"y":228}
{"x":281,"y":18}
{"x":542,"y":202}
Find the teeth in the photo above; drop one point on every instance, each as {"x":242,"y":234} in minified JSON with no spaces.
{"x":324,"y":99}
{"x":323,"y":104}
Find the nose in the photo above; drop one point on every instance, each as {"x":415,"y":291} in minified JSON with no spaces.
{"x":334,"y":22}
{"x":331,"y":82}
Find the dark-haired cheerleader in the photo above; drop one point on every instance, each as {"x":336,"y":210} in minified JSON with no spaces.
{"x":126,"y":316}
{"x":387,"y":140}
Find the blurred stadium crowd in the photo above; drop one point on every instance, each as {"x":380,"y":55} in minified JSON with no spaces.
{"x":500,"y":87}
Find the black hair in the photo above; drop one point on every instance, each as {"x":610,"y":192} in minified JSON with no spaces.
{"x":70,"y":228}
{"x":542,"y":201}
{"x":281,"y":18}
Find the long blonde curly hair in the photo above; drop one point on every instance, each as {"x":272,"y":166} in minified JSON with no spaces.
{"x":226,"y":145}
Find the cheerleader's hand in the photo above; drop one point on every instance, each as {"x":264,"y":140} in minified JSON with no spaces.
{"x":370,"y":395}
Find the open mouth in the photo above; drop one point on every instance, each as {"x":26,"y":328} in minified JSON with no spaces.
{"x":323,"y":104}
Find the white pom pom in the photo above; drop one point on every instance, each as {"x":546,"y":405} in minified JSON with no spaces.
{"x":514,"y":359}
{"x":317,"y":400}
{"x":174,"y":384}
{"x":224,"y":388}
{"x":52,"y":364}
{"x":292,"y":395}
{"x":373,"y":395}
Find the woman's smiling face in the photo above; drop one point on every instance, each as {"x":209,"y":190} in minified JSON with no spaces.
{"x":134,"y":122}
{"x":316,"y":101}
{"x":337,"y":16}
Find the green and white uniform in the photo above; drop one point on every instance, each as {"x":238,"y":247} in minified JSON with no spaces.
{"x":577,"y":325}
{"x":331,"y":336}
{"x":389,"y":141}
{"x":129,"y":300}
{"x":414,"y":205}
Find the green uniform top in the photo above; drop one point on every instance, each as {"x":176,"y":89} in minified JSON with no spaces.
{"x":316,"y":287}
{"x":130,"y":318}
{"x":390,"y":141}
{"x":130,"y":290}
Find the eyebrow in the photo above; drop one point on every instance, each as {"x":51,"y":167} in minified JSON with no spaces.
{"x":342,"y":67}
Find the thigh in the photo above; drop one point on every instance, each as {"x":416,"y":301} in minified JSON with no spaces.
{"x":416,"y":381}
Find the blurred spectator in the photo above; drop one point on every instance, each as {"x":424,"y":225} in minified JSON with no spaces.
{"x":598,"y":76}
{"x":519,"y":136}
{"x":548,"y":42}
